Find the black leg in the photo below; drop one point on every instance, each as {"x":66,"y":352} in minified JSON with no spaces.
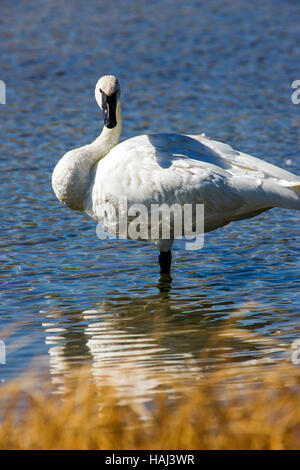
{"x":165,"y":259}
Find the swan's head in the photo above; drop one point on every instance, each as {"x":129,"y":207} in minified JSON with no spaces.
{"x":107,"y":94}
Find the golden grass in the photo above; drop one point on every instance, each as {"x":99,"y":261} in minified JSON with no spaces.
{"x":216,"y":413}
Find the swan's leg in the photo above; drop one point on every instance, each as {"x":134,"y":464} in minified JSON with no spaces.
{"x":165,"y":259}
{"x":165,"y":256}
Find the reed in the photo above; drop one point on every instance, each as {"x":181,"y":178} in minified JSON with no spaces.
{"x":220,"y":411}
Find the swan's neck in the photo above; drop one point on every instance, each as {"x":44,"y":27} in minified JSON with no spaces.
{"x":108,"y":138}
{"x":72,"y":177}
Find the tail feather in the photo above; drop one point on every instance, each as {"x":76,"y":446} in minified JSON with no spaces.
{"x":286,"y":196}
{"x":295,"y":187}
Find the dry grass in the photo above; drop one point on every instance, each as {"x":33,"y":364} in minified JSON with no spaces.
{"x":217,"y":413}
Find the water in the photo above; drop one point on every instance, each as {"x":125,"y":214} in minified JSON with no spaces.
{"x":67,"y":298}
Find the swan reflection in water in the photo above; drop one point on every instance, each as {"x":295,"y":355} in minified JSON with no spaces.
{"x":142,"y":344}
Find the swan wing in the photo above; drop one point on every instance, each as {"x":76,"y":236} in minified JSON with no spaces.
{"x":172,"y":168}
{"x":248,"y":164}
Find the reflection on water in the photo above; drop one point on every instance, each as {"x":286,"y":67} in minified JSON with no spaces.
{"x":225,"y":70}
{"x":143,"y":342}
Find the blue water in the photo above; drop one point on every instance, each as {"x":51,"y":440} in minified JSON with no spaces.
{"x":220,"y":67}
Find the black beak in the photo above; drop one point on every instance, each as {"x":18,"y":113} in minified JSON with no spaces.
{"x":109,"y":105}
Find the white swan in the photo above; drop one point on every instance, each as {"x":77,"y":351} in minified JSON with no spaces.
{"x":167,"y":168}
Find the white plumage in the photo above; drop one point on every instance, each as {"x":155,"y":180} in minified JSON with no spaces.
{"x":169,"y":168}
